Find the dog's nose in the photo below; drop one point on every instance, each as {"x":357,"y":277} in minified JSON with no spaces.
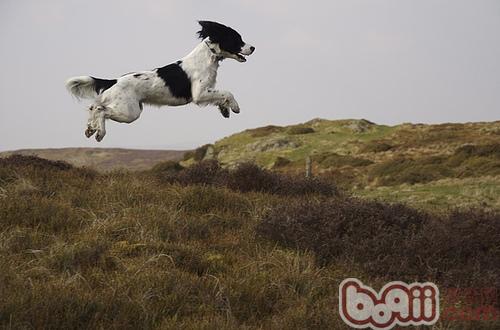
{"x":252,"y":48}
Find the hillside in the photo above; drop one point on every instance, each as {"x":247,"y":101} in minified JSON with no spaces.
{"x":104,"y":159}
{"x":361,"y":138}
{"x":424,"y":165}
{"x":210,"y":248}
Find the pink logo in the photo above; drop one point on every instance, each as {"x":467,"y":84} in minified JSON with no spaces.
{"x":397,"y":303}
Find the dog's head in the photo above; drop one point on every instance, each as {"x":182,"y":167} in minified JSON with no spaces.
{"x":226,"y":42}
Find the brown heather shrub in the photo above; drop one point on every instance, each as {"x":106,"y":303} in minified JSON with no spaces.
{"x":202,"y":173}
{"x":466,"y":248}
{"x":23,"y":164}
{"x":487,"y":150}
{"x":300,"y":186}
{"x":249,"y":177}
{"x":35,"y":162}
{"x":300,"y":129}
{"x":376,"y":146}
{"x":336,"y":228}
{"x":281,"y":162}
{"x":392,"y":241}
{"x":167,"y":167}
{"x":265,"y":131}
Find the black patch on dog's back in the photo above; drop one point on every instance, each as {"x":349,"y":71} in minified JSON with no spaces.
{"x":176,"y":80}
{"x":100,"y":85}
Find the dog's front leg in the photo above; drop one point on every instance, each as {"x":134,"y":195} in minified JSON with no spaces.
{"x":223,"y":99}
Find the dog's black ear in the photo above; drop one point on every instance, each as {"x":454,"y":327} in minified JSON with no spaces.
{"x":209,"y":29}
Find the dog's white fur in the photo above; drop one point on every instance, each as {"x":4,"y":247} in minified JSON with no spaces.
{"x":123,"y":101}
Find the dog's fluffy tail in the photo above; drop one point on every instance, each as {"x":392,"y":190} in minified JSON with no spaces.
{"x":86,"y":87}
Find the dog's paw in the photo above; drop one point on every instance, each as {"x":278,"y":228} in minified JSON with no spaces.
{"x":230,"y":102}
{"x":224,"y":111}
{"x":100,"y":135}
{"x":89,"y":132}
{"x":234,"y":107}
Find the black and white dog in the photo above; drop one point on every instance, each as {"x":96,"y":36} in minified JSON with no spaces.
{"x":191,"y":79}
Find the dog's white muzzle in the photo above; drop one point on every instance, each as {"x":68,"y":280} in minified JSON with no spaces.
{"x":246,"y":50}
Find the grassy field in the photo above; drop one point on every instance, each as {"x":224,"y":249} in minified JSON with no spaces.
{"x":441,"y":195}
{"x":210,"y":248}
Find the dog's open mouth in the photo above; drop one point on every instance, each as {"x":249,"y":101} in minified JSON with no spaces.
{"x":241,"y":57}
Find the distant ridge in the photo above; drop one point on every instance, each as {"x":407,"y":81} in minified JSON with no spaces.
{"x":104,"y":159}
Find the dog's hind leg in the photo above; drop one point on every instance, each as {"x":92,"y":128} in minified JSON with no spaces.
{"x":224,"y":111}
{"x":101,"y":123}
{"x":91,"y":123}
{"x":89,"y":131}
{"x":96,"y":122}
{"x":122,"y":108}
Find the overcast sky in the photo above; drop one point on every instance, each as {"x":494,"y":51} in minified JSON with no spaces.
{"x":389,"y":61}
